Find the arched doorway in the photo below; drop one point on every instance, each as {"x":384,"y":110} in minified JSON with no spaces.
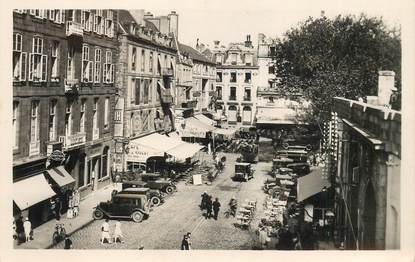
{"x":232,"y":114}
{"x":246,"y":115}
{"x":369,"y":219}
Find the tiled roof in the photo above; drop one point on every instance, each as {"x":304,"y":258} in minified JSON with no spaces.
{"x":194,"y":54}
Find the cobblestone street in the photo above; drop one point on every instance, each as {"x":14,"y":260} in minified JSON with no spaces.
{"x":180,"y":213}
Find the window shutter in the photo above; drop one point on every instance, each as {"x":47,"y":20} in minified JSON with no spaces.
{"x":52,"y":14}
{"x":44,"y":67}
{"x":112,"y":73}
{"x":23,"y":66}
{"x":90,"y":71}
{"x":83,"y":19}
{"x":31,"y":66}
{"x":91,"y":22}
{"x":62,"y":21}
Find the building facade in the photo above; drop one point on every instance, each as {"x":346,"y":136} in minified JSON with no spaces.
{"x":266,"y":56}
{"x":146,"y":71}
{"x":236,"y":82}
{"x":63,"y":95}
{"x":367,"y":157}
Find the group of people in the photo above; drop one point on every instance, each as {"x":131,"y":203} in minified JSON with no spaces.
{"x":106,"y":236}
{"x":73,"y":204}
{"x":22,"y":230}
{"x":186,"y":243}
{"x":209,"y":205}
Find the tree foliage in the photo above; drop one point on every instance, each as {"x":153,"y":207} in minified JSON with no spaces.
{"x":323,"y":58}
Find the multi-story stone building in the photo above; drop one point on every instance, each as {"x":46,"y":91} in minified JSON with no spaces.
{"x":63,"y":95}
{"x":145,"y":79}
{"x":236,"y":81}
{"x":266,"y":56}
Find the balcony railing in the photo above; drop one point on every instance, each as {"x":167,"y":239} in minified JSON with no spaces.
{"x":232,"y":98}
{"x":74,"y":29}
{"x":73,"y":140}
{"x":166,"y":71}
{"x":71,"y":85}
{"x":34,"y":148}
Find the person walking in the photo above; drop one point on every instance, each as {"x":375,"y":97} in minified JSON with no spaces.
{"x":105,"y":229}
{"x":27,"y":229}
{"x":189,"y":242}
{"x":67,"y":243}
{"x":209,"y":207}
{"x":216,"y":207}
{"x":205,"y":198}
{"x":118,"y":236}
{"x":20,"y":230}
{"x":185,"y":243}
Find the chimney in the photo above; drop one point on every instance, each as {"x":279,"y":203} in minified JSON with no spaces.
{"x":174,"y":23}
{"x":216,"y":43}
{"x":248,"y":42}
{"x":386,"y":86}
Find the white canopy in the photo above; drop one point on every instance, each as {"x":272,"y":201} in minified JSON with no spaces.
{"x":31,"y":191}
{"x":184,"y":151}
{"x":311,"y":184}
{"x":205,"y":119}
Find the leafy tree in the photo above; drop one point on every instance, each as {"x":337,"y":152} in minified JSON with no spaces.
{"x":323,"y":58}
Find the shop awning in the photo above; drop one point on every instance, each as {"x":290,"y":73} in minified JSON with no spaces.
{"x":276,"y":115}
{"x":225,"y":132}
{"x":140,"y":153}
{"x":311,"y":184}
{"x":31,"y":191}
{"x":184,"y":151}
{"x":205,"y":119}
{"x":196,"y":128}
{"x":61,"y":176}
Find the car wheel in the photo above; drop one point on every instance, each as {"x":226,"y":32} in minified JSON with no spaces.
{"x":155,"y":201}
{"x":169,"y":190}
{"x":285,"y":145}
{"x":98,"y":214}
{"x":137,"y":216}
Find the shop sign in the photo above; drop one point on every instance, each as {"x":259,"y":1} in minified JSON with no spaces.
{"x":139,"y":153}
{"x":57,"y":156}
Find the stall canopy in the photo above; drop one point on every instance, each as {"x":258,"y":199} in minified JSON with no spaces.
{"x":311,"y":184}
{"x":205,"y":119}
{"x":196,"y":128}
{"x":275,"y":115}
{"x":61,"y":176}
{"x":31,"y":191}
{"x":183,"y":151}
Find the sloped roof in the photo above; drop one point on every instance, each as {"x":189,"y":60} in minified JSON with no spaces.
{"x":194,"y":54}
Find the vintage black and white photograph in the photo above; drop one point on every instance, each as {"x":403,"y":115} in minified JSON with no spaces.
{"x":181,"y":127}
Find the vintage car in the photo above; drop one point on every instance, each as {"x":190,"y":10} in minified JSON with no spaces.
{"x":296,"y":155}
{"x":302,"y":168}
{"x":243,"y":171}
{"x":156,"y":181}
{"x":155,"y":196}
{"x":281,"y":161}
{"x":123,"y":205}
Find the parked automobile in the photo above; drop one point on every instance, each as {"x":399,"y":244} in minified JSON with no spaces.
{"x":296,"y":155}
{"x":243,"y":171}
{"x":155,"y":196}
{"x":123,"y":205}
{"x":301,"y":168}
{"x":156,"y":181}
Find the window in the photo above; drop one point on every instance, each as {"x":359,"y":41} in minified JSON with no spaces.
{"x":19,"y":11}
{"x":146,"y":91}
{"x":57,"y":16}
{"x":108,"y":68}
{"x":37,"y":61}
{"x":232,"y":93}
{"x":117,"y":115}
{"x":97,"y":66}
{"x":87,"y":68}
{"x":247,"y":95}
{"x":143,"y":56}
{"x":218,"y":76}
{"x":137,"y":91}
{"x":218,"y":59}
{"x":151,"y":62}
{"x":54,"y":61}
{"x":248,"y":59}
{"x":15,"y":124}
{"x":106,"y":112}
{"x":150,"y":91}
{"x":133,"y":59}
{"x":271,"y":70}
{"x":98,"y":22}
{"x":34,"y":122}
{"x":109,"y":24}
{"x":52,"y":120}
{"x":234,"y":58}
{"x":233,"y":77}
{"x":86,"y":20}
{"x":19,"y":59}
{"x":82,"y":118}
{"x":38,"y":13}
{"x":70,"y":70}
{"x":71,"y":15}
{"x":219,"y":92}
{"x":247,"y":78}
{"x":68,"y":118}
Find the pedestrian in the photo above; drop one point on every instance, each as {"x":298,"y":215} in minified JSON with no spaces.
{"x":216,"y":207}
{"x":189,"y":242}
{"x":27,"y":229}
{"x":67,"y":243}
{"x":118,"y":236}
{"x":205,"y":197}
{"x":209,"y":207}
{"x":105,"y":229}
{"x":20,"y":230}
{"x":185,"y":243}
{"x":14,"y":230}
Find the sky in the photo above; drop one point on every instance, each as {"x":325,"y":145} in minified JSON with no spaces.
{"x":231,"y":21}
